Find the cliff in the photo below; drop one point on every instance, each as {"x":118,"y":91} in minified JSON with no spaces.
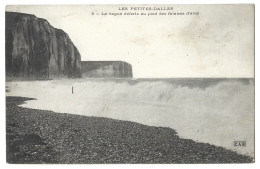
{"x":106,"y":69}
{"x":35,"y":49}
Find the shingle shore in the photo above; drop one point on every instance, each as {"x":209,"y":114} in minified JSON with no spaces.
{"x":40,"y":136}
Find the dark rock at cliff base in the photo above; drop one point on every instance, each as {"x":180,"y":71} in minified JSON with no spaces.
{"x":37,"y":50}
{"x":106,"y":69}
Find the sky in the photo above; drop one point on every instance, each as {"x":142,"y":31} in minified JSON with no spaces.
{"x":217,"y":42}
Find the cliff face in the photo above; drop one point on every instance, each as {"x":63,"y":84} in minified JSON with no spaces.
{"x":106,"y":69}
{"x":35,"y":49}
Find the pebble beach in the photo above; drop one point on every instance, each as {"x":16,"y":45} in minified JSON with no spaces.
{"x":40,"y":136}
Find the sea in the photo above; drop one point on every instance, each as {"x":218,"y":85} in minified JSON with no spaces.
{"x":218,"y":111}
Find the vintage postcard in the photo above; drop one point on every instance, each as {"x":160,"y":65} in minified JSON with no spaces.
{"x":127,"y":84}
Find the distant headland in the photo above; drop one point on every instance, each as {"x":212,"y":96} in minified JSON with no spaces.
{"x":106,"y":69}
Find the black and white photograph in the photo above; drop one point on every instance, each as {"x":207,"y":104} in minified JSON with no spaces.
{"x":130,"y":84}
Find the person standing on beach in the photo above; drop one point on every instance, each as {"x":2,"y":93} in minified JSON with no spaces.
{"x":72,"y":90}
